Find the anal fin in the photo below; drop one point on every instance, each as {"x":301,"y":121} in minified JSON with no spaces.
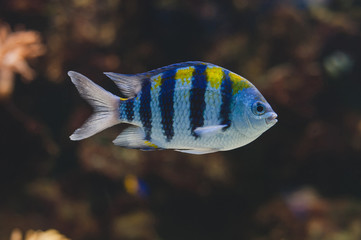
{"x":197,"y":151}
{"x":134,"y":137}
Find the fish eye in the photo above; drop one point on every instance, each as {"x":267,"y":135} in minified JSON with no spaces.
{"x":258,"y":108}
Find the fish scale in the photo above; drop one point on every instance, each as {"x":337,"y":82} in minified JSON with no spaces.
{"x":181,"y":106}
{"x":193,"y":107}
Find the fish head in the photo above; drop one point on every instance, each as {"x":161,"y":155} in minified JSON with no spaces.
{"x":253,"y":114}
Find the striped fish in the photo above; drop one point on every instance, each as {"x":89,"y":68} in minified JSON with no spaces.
{"x":191,"y":107}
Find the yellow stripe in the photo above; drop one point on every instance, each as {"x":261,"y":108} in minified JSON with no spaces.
{"x":123,"y":99}
{"x":150,"y":144}
{"x":214,"y":76}
{"x":157,"y":81}
{"x":238,"y":83}
{"x":185,"y":75}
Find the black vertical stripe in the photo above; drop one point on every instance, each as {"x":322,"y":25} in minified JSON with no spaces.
{"x":129,"y":109}
{"x":196,"y":98}
{"x":145,"y":111}
{"x":226,"y":93}
{"x":166,"y":103}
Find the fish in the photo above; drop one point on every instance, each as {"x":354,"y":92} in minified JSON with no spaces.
{"x":192,"y":107}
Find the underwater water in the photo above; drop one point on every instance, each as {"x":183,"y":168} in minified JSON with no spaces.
{"x":301,"y":179}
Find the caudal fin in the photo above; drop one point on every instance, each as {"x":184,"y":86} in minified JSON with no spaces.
{"x":105,"y":104}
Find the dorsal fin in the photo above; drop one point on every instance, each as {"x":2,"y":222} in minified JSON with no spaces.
{"x":131,"y":84}
{"x":171,"y":67}
{"x":128,"y":84}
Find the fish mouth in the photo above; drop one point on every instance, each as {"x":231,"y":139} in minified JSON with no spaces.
{"x":271,"y":118}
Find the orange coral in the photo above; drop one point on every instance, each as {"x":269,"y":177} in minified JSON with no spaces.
{"x":15,"y":49}
{"x":38,"y":235}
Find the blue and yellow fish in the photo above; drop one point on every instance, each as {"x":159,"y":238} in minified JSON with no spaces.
{"x":191,"y":107}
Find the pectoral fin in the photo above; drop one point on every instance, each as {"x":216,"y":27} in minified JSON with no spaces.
{"x":134,"y":137}
{"x":209,"y":130}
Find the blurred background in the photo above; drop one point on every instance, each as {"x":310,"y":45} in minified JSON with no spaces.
{"x":300,"y":180}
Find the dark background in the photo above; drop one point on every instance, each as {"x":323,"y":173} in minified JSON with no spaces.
{"x":300,"y":180}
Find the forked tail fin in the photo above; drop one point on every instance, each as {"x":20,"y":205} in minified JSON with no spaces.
{"x":105,"y":104}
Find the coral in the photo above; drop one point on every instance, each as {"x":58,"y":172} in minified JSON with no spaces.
{"x":37,"y":235}
{"x":15,"y":49}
